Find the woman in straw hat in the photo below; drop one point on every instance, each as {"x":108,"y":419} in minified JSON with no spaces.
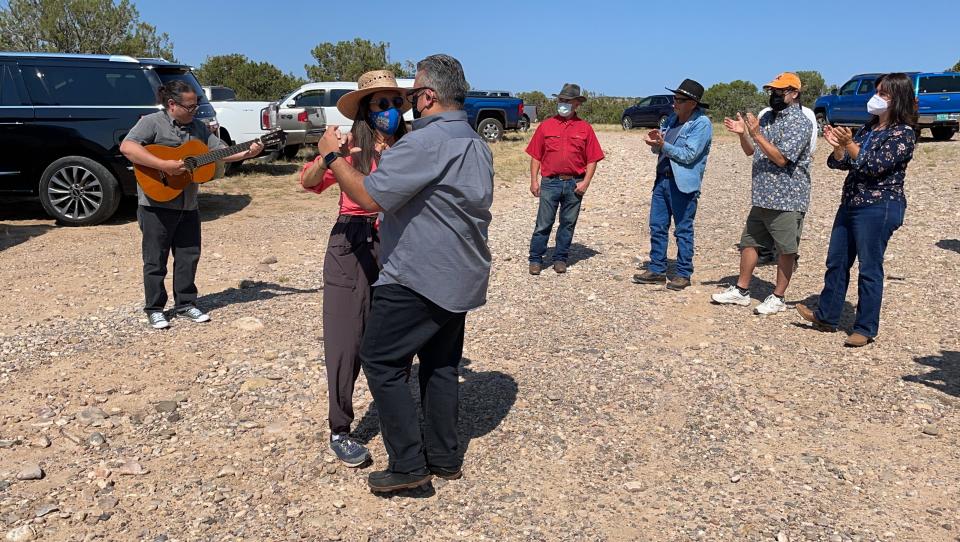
{"x":350,"y":265}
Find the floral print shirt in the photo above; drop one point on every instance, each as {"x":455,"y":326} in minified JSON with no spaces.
{"x":879,"y":170}
{"x":783,"y":188}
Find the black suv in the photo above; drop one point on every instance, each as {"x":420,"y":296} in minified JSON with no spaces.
{"x":650,"y":112}
{"x":62,"y":118}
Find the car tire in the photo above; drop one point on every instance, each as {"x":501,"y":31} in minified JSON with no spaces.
{"x":491,"y":130}
{"x":78,"y":191}
{"x":941,"y":133}
{"x":290,"y":152}
{"x":626,"y":122}
{"x":661,"y":121}
{"x":821,"y":122}
{"x":524,"y":123}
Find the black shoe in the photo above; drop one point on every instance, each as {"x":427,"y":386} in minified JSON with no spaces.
{"x":446,"y":473}
{"x":384,"y":481}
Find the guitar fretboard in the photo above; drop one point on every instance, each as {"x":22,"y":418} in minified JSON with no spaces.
{"x":220,"y":154}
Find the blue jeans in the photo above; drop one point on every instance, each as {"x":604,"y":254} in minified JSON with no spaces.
{"x":861,"y":233}
{"x":669,"y":202}
{"x":555,"y":192}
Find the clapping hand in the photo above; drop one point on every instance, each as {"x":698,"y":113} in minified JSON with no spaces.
{"x":654,"y":138}
{"x":736,"y":126}
{"x":752,"y":124}
{"x":830,"y":135}
{"x":843,"y":135}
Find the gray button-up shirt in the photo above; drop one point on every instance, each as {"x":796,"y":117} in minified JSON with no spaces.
{"x":784,"y":188}
{"x":436,"y":187}
{"x":159,"y":128}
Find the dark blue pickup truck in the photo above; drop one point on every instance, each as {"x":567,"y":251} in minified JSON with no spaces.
{"x":938,"y":96}
{"x":491,"y":115}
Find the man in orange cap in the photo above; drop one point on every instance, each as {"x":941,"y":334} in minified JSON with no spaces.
{"x":780,"y":192}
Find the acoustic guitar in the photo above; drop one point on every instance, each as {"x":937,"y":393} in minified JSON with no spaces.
{"x":199,"y":161}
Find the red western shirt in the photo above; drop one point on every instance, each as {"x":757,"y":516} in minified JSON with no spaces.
{"x":564,"y":146}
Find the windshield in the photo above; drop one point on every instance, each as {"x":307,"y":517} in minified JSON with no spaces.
{"x":939,"y":84}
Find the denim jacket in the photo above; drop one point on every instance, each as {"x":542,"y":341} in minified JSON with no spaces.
{"x":688,"y":155}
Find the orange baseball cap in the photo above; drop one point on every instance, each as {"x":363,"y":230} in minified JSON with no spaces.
{"x":784,"y":80}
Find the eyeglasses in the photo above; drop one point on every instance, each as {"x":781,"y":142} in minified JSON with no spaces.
{"x":414,"y":94}
{"x":188,"y":108}
{"x":386,"y":103}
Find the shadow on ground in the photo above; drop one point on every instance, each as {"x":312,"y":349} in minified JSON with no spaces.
{"x":251,"y":291}
{"x":945,"y":375}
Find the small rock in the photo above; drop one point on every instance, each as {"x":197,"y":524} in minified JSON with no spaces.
{"x":248,"y":323}
{"x":45,"y":509}
{"x":166,"y":406}
{"x":8,"y":443}
{"x":21,"y":534}
{"x":91,"y":416}
{"x":270,"y":355}
{"x":553,"y":396}
{"x":227,"y":471}
{"x":30,"y":471}
{"x":40,"y":442}
{"x":294,"y":513}
{"x":96,"y":440}
{"x":173,"y":417}
{"x":269,"y":260}
{"x":331,"y":468}
{"x":735,"y":478}
{"x":634,"y":486}
{"x":836,"y":538}
{"x":782,"y":537}
{"x":246,"y":283}
{"x":931,"y":430}
{"x":255,"y":383}
{"x":339,"y":504}
{"x":132,"y":468}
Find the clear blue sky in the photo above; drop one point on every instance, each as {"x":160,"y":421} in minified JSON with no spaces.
{"x":616,"y":47}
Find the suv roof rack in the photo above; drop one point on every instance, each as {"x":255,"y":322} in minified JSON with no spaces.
{"x":111,"y":58}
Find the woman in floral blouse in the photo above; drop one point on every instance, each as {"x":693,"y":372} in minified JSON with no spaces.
{"x":871,"y":207}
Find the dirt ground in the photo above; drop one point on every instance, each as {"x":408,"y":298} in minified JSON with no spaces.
{"x":591,"y":408}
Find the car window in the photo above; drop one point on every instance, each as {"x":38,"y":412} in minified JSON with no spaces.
{"x":850,"y":88}
{"x":866,"y":87}
{"x":188,"y":78}
{"x":659,"y":101}
{"x":222,"y":94}
{"x":9,"y":95}
{"x":335,"y":95}
{"x":644,"y":102}
{"x":62,"y":85}
{"x":310,"y":98}
{"x":939,"y":83}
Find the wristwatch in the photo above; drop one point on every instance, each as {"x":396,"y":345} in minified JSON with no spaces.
{"x":330,"y":157}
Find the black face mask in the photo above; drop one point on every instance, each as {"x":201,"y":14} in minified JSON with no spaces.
{"x":778,"y":102}
{"x":416,"y":112}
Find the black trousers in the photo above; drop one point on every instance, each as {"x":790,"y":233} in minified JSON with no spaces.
{"x":402,"y":324}
{"x":349,"y":269}
{"x":165,"y":230}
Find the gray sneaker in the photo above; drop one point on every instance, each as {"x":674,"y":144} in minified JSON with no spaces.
{"x":349,"y":451}
{"x":195,"y":315}
{"x":158,"y":320}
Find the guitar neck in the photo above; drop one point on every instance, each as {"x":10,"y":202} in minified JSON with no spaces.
{"x":220,"y":154}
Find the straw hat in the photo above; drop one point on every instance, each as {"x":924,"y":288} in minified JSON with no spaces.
{"x":370,"y":83}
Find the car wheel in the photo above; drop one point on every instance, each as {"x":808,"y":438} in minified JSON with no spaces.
{"x":942,"y":133}
{"x":626,"y":123}
{"x":290,"y":152}
{"x":524,"y":123}
{"x":661,"y":121}
{"x":821,"y":122}
{"x":78,"y":191}
{"x":491,"y":130}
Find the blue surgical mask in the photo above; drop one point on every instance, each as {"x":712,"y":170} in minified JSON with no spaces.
{"x":386,"y":121}
{"x":564,"y":109}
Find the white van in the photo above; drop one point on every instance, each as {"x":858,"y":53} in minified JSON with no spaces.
{"x":325,"y":95}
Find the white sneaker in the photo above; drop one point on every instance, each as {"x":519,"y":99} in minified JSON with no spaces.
{"x":731,"y":296}
{"x":771,"y":305}
{"x":158,"y":320}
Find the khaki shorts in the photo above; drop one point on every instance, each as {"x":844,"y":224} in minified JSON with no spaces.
{"x":772,"y":228}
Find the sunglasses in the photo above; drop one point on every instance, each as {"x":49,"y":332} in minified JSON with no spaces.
{"x":387,"y":103}
{"x":188,"y":108}
{"x":414,"y":94}
{"x":680,"y":100}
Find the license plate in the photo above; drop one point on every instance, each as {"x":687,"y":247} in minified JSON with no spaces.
{"x":943,"y":116}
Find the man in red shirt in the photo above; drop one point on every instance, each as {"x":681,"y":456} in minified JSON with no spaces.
{"x":565,"y":151}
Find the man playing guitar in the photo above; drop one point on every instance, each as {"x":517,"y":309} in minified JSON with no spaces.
{"x":173,"y":224}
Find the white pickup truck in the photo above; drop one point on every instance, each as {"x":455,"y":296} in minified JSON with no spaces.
{"x":243,"y":121}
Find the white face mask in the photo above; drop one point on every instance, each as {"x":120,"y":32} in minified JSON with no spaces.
{"x":877,"y":105}
{"x":564,"y":109}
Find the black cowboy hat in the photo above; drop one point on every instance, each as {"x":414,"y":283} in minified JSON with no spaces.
{"x":571,"y":91}
{"x":691,"y":89}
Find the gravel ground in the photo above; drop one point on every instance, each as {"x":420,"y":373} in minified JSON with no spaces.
{"x":592,"y":408}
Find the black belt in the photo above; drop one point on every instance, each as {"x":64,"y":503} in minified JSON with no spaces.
{"x":342,"y":219}
{"x":566,"y":177}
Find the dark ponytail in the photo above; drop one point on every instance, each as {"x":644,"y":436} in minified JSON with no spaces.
{"x":174,"y":90}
